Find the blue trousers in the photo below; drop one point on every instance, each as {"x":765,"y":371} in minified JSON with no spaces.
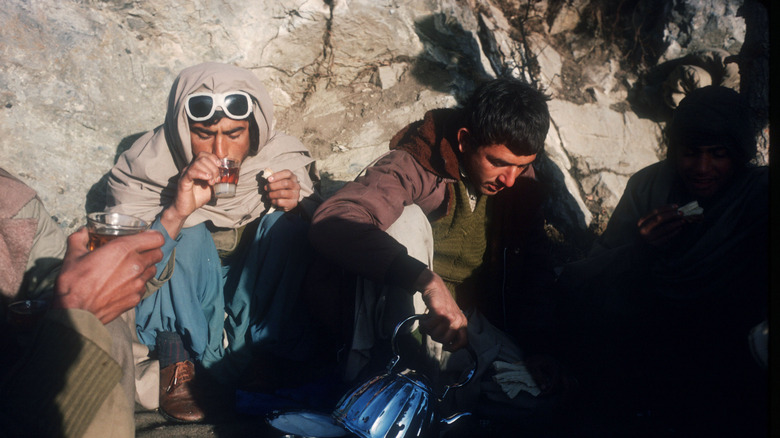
{"x":252,"y":297}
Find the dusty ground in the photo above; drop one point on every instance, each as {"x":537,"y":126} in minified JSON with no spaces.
{"x":153,"y":425}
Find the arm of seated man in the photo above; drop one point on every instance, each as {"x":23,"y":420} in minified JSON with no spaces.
{"x":61,"y":381}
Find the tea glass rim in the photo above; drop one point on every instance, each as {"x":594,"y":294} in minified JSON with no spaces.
{"x":229,"y":163}
{"x":127,"y":222}
{"x":33,"y":303}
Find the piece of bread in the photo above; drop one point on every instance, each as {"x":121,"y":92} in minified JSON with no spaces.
{"x":691,"y":209}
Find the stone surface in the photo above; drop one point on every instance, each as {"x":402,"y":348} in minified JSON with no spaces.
{"x":598,"y":138}
{"x":567,"y":18}
{"x":702,"y":24}
{"x":81,"y":80}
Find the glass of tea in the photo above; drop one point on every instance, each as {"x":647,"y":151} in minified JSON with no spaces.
{"x":228,"y":178}
{"x":105,"y":227}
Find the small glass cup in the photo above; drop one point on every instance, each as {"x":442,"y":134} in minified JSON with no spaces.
{"x":105,"y":227}
{"x":228,"y":178}
{"x":24,"y":315}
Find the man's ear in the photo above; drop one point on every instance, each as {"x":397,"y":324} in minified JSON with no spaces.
{"x":464,"y":139}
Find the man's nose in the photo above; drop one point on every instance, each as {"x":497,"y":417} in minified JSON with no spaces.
{"x":703,"y":163}
{"x":219,"y":146}
{"x":509,"y":176}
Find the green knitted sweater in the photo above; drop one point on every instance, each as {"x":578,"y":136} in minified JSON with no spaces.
{"x":460,"y":241}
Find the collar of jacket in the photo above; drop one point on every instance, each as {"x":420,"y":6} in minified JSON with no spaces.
{"x":432,"y":142}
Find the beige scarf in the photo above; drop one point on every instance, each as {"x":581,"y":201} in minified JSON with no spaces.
{"x":144,"y":180}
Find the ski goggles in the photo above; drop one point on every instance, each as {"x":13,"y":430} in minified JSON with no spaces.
{"x":235,"y":104}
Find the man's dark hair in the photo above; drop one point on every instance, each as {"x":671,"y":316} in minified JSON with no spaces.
{"x":254,"y":131}
{"x":510,"y":112}
{"x":710,"y":116}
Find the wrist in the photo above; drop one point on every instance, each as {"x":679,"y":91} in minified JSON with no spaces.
{"x":64,"y":300}
{"x":171,"y":213}
{"x":406,"y":271}
{"x":172,"y":221}
{"x":424,"y":281}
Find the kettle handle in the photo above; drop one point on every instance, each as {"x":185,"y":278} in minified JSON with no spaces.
{"x":397,"y":357}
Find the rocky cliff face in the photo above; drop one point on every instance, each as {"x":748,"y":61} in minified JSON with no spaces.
{"x":81,"y":79}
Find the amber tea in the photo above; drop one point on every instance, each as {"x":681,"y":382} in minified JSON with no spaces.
{"x":98,"y":239}
{"x":228,"y":179}
{"x":105,"y":227}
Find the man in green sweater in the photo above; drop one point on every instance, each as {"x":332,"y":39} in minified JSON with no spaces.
{"x":73,"y":374}
{"x":447,"y":223}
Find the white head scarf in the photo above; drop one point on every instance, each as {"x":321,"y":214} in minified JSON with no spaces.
{"x":144,"y":180}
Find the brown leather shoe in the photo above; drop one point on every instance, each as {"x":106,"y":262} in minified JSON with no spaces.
{"x":178,"y":394}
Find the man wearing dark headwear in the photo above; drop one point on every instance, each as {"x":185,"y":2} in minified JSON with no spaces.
{"x":671,"y":291}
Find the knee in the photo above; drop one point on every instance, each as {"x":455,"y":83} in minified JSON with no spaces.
{"x":413,"y":230}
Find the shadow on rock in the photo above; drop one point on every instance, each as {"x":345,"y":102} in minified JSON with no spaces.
{"x":448,"y":45}
{"x":96,"y":196}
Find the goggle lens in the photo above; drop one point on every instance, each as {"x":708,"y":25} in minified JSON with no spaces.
{"x":236,"y":104}
{"x":202,"y":106}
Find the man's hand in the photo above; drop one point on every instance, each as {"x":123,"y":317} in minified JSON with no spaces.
{"x":283,"y":190}
{"x":446,"y":323}
{"x":661,"y":225}
{"x":109,"y":280}
{"x":193,"y":191}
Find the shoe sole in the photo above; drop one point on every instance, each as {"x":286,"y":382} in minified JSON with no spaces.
{"x":179,"y":420}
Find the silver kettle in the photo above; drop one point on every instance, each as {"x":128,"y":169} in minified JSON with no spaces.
{"x":396,"y":404}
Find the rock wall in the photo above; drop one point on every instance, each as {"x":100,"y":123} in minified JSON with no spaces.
{"x":81,"y":79}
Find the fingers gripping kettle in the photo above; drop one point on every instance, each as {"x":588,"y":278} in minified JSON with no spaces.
{"x":396,"y":404}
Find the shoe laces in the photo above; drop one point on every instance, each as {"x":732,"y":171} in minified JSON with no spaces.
{"x":181,"y":374}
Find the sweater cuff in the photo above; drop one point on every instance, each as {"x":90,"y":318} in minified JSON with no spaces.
{"x":168,"y":247}
{"x":166,"y":265}
{"x":404,"y":271}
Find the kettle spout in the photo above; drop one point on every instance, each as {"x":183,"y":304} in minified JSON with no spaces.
{"x":453,"y":418}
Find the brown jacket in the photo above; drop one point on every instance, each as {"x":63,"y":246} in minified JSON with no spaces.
{"x":348,"y":228}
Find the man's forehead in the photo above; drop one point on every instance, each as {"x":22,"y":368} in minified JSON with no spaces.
{"x":225,"y":123}
{"x":503,"y":153}
{"x":705,"y":148}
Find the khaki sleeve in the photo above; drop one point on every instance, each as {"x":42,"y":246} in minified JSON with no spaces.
{"x":48,"y":250}
{"x":63,"y":378}
{"x":155,"y":283}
